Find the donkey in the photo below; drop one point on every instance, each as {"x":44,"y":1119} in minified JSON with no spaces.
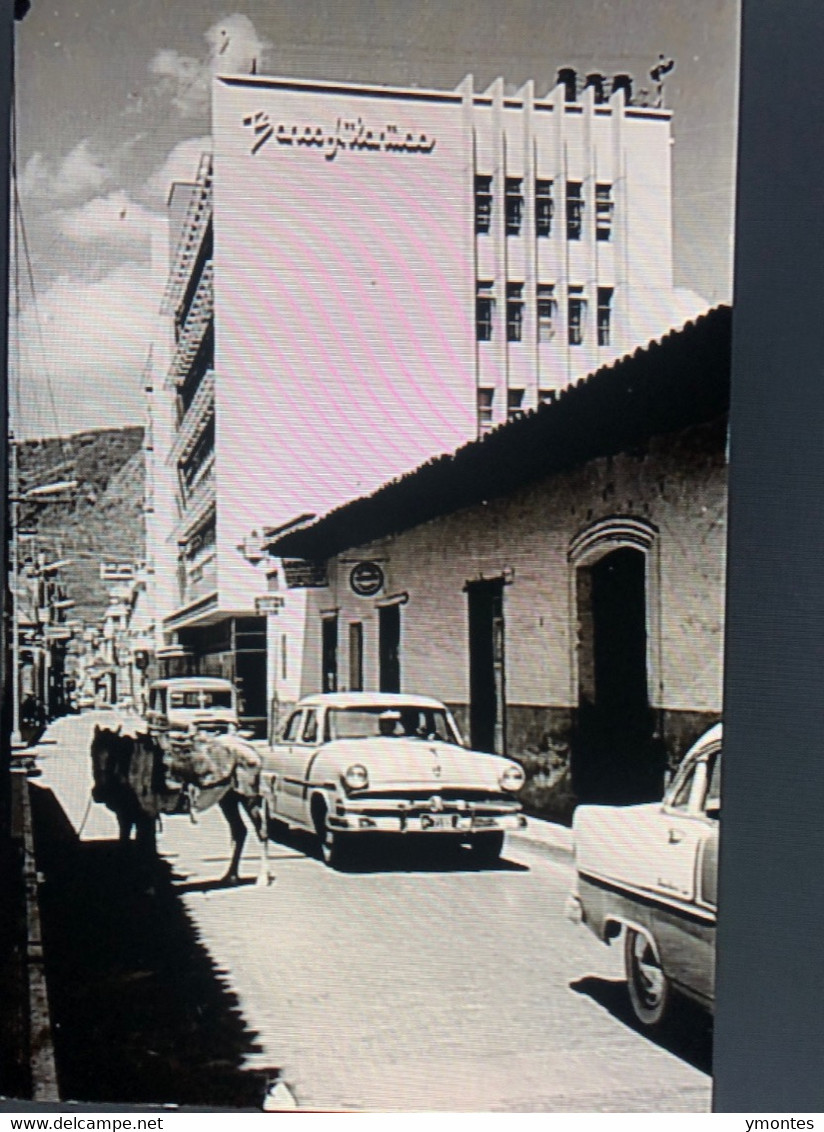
{"x":139,"y":777}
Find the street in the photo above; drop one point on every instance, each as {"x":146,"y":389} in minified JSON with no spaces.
{"x":402,"y":985}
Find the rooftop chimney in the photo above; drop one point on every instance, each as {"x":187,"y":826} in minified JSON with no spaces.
{"x":624,"y":83}
{"x":569,"y":80}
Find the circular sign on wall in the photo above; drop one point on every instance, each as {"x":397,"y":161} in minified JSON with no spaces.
{"x":366,"y":579}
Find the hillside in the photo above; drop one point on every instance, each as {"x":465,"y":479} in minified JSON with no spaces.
{"x":100,"y":519}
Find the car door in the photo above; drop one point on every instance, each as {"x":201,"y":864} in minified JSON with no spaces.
{"x":682,"y":831}
{"x":287,"y":764}
{"x":686,"y":929}
{"x":305,"y":752}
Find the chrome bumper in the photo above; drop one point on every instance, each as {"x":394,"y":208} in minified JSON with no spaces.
{"x":405,"y":819}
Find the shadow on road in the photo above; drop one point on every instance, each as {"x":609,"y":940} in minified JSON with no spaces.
{"x":687,"y":1033}
{"x":376,"y":853}
{"x":141,"y":1014}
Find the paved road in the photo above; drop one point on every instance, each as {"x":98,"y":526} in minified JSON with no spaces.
{"x":407,"y":986}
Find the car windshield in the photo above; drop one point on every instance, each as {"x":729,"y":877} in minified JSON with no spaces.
{"x":403,"y":721}
{"x":201,"y":698}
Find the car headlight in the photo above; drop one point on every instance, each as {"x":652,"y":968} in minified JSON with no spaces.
{"x":512,"y":779}
{"x":356,"y":776}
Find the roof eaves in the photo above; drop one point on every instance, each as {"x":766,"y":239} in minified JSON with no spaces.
{"x":680,"y":380}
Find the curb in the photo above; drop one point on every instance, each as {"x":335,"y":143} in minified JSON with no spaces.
{"x":547,"y":838}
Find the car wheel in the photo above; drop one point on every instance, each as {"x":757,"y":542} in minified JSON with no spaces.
{"x":335,"y":847}
{"x":487,"y":848}
{"x":650,"y":990}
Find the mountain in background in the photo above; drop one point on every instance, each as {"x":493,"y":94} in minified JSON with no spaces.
{"x":100,"y":519}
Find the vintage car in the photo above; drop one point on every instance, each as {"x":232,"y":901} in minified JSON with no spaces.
{"x":649,"y":873}
{"x":347,"y":765}
{"x":193,"y":703}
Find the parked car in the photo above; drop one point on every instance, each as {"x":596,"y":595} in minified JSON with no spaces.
{"x":193,"y":703}
{"x":348,"y":765}
{"x":648,"y":874}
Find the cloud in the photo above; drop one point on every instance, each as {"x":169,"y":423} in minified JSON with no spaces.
{"x":180,"y":165}
{"x":114,"y":220}
{"x":80,"y":172}
{"x":235,"y":47}
{"x":36,"y":177}
{"x":95,"y":335}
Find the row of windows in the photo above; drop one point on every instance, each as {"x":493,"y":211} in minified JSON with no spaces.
{"x":514,"y":404}
{"x":546,"y":307}
{"x":544,"y":208}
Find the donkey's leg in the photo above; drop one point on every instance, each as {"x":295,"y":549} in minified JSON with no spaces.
{"x":231,"y":811}
{"x":258,"y":811}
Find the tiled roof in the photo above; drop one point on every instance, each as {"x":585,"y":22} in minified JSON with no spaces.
{"x":672,"y":384}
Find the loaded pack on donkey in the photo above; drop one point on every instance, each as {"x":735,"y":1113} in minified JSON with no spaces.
{"x":187,"y":755}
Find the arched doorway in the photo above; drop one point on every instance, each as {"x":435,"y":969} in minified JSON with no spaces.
{"x":615,"y":758}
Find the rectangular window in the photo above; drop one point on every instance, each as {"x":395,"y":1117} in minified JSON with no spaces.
{"x":485,"y":399}
{"x":484,"y":310}
{"x":546,"y":312}
{"x":604,"y":315}
{"x":514,"y":404}
{"x":604,"y":206}
{"x":483,"y":204}
{"x":543,"y":208}
{"x":577,"y":315}
{"x":355,"y":656}
{"x":574,"y":209}
{"x":546,"y":396}
{"x":514,"y":312}
{"x":514,"y":205}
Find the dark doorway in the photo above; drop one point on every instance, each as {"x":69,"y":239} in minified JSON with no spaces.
{"x":615,"y":760}
{"x":389,"y":647}
{"x":329,"y":650}
{"x":486,"y":666}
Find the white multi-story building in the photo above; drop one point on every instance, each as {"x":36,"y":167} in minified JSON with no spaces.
{"x":362,"y":278}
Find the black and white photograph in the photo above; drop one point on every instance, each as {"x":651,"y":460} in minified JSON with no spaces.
{"x":368,"y":447}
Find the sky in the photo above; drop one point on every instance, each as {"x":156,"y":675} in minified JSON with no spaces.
{"x":113,"y":104}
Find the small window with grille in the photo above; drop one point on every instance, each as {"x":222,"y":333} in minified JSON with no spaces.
{"x":576,"y":321}
{"x":604,"y":316}
{"x":546,"y":309}
{"x":483,"y":204}
{"x":604,"y":208}
{"x":514,"y":193}
{"x":484,"y":310}
{"x":486,"y":398}
{"x":574,"y":209}
{"x":514,"y":312}
{"x":514,"y":404}
{"x":543,"y":208}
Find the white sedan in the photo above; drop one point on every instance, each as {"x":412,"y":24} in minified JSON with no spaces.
{"x":352,"y":764}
